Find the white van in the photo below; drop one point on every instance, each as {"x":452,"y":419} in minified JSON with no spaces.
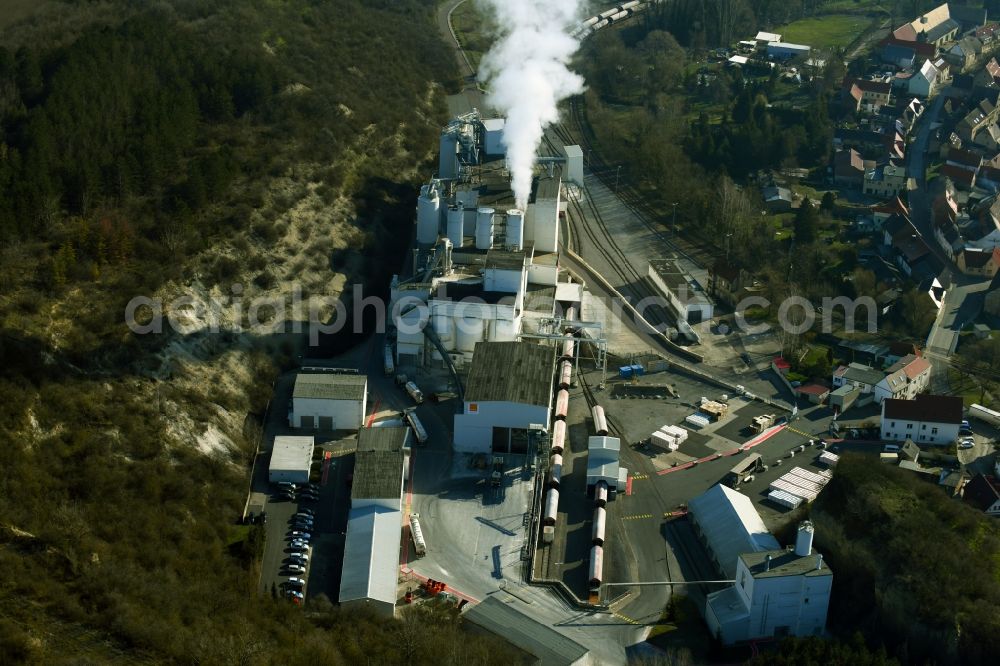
{"x":891,"y":448}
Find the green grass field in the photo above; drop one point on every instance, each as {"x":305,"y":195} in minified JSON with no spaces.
{"x":821,"y":32}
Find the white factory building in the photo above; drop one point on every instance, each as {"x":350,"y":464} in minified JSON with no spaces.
{"x":508,"y":390}
{"x":926,"y":420}
{"x":374,"y":527}
{"x":484,"y":270}
{"x":728,"y":525}
{"x":329,"y":401}
{"x":777,"y":593}
{"x":291,"y":459}
{"x":686,"y":296}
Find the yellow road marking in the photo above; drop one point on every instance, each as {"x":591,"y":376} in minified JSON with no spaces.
{"x":625,"y":618}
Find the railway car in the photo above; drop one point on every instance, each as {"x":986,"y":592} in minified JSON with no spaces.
{"x":562,"y":404}
{"x":558,"y":437}
{"x":600,"y":523}
{"x":601,"y":494}
{"x":600,"y":421}
{"x":555,"y":471}
{"x":565,"y":375}
{"x":551,"y":507}
{"x":596,"y":569}
{"x":568,"y":348}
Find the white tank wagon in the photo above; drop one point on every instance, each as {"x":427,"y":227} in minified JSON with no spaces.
{"x":600,"y":523}
{"x":419,"y":545}
{"x":565,"y":375}
{"x":600,"y":494}
{"x":600,"y":421}
{"x":558,"y":437}
{"x":555,"y":470}
{"x":596,"y":569}
{"x":551,"y":507}
{"x":562,"y":404}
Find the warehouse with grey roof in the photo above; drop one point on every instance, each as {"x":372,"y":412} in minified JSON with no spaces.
{"x":508,"y":390}
{"x":543,"y":644}
{"x":329,"y":401}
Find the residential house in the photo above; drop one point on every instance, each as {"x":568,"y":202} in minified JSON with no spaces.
{"x":765,"y":38}
{"x":777,"y":199}
{"x":989,"y":176}
{"x":904,"y":379}
{"x":989,"y":74}
{"x":921,"y":50}
{"x":728,"y":283}
{"x":883,"y":211}
{"x":874,"y":94}
{"x":977,"y":261}
{"x":899,"y":55}
{"x":814,"y":393}
{"x":982,"y":115}
{"x":858,"y":375}
{"x":982,"y":228}
{"x":924,"y":82}
{"x":926,"y":420}
{"x":963,"y":178}
{"x":897,"y":227}
{"x":964,"y":53}
{"x":865,"y":142}
{"x":966,"y":159}
{"x":915,"y":259}
{"x":982,"y":493}
{"x":899,"y":350}
{"x":987,"y":34}
{"x":970,"y":19}
{"x":886,"y":180}
{"x":948,"y":237}
{"x":848,"y":168}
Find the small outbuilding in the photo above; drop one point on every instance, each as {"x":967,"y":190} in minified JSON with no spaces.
{"x":291,"y":458}
{"x":329,"y":401}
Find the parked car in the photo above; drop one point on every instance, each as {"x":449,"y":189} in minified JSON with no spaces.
{"x":286,"y":485}
{"x":304,"y":512}
{"x":295,"y":581}
{"x":293,"y":594}
{"x":891,"y":448}
{"x":262,"y":518}
{"x":299,"y":558}
{"x":295,"y":568}
{"x":297,"y":534}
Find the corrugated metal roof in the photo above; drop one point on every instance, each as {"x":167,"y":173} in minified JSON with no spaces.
{"x":546,"y":644}
{"x":378,"y":474}
{"x":330,"y":386}
{"x":292,"y":453}
{"x":731,"y":526}
{"x":384,"y":438}
{"x":519,"y":372}
{"x":371,"y":555}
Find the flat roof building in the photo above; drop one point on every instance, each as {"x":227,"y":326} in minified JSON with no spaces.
{"x":291,"y":459}
{"x":544,"y":644}
{"x":683,"y":292}
{"x":509,"y":388}
{"x":329,"y":401}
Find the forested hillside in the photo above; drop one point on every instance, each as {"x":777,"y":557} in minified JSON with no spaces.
{"x":914,"y":571}
{"x":182,"y":148}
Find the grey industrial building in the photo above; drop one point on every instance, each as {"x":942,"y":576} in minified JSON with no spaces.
{"x":509,"y":388}
{"x":329,"y":401}
{"x":291,"y":459}
{"x":374,"y":529}
{"x":541,"y":643}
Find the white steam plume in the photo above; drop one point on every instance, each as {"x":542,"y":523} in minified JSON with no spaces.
{"x":529,"y":75}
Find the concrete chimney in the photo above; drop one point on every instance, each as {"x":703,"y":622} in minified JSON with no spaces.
{"x":819,"y":561}
{"x":804,"y":539}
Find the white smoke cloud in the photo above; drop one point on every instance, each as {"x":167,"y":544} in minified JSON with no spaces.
{"x":528,"y":71}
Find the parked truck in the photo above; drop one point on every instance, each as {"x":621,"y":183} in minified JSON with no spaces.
{"x":388,"y":364}
{"x":418,"y":428}
{"x":761,"y":423}
{"x":415,"y":392}
{"x":419,"y":545}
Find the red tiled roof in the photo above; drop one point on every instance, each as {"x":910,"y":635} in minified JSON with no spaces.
{"x":781,"y":363}
{"x":873,"y":86}
{"x":964,"y":157}
{"x":894,"y":205}
{"x":959,"y":174}
{"x":916,"y":367}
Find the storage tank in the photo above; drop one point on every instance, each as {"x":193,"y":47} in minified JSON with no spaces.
{"x":555,"y":470}
{"x":448,"y":162}
{"x":804,"y":539}
{"x":601,"y":493}
{"x":515,"y":229}
{"x":428,"y":215}
{"x":444,"y":327}
{"x":562,"y":404}
{"x":454,"y":227}
{"x":600,"y":422}
{"x":558,"y":437}
{"x":565,"y":375}
{"x":600,"y":521}
{"x":468,"y":331}
{"x":484,"y":228}
{"x":596,"y":566}
{"x":569,"y":346}
{"x":551,"y":507}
